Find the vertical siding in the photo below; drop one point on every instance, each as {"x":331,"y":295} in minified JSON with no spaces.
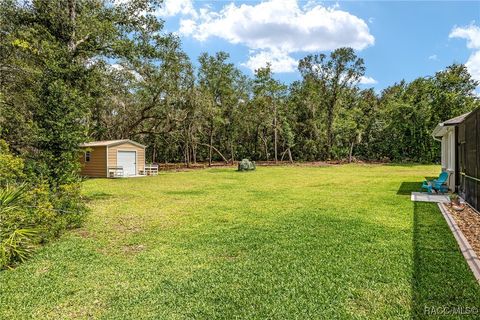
{"x":469,"y":159}
{"x":97,"y":166}
{"x":112,"y":154}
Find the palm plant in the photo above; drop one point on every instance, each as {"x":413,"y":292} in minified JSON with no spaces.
{"x":10,"y":199}
{"x":15,"y":243}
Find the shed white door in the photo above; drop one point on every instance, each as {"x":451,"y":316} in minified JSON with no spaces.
{"x":127,"y":160}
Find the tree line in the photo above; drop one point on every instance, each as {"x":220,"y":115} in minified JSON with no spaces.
{"x":216,"y":113}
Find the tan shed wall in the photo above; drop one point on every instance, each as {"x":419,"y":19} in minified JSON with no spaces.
{"x":112,"y":154}
{"x":97,"y":167}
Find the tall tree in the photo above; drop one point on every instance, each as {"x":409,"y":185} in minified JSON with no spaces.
{"x":269,"y":96}
{"x":217,"y":79}
{"x":306,"y":105}
{"x":332,"y":76}
{"x":50,"y":72}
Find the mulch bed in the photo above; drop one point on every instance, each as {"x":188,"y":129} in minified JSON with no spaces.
{"x":468,"y":221}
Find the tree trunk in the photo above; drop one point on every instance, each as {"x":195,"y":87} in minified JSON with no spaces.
{"x":266,"y":149}
{"x":275,"y":134}
{"x":351,"y":152}
{"x":154,"y":152}
{"x":232,"y":153}
{"x":290,"y":155}
{"x":265,"y":145}
{"x":211,"y":146}
{"x":187,"y":154}
{"x":194,"y":153}
{"x":72,"y":15}
{"x":193,"y":147}
{"x":329,"y":132}
{"x":256,"y":142}
{"x":330,"y":117}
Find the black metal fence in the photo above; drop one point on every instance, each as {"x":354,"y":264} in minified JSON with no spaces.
{"x":468,"y":143}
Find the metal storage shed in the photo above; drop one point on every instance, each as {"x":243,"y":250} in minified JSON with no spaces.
{"x":112,"y":158}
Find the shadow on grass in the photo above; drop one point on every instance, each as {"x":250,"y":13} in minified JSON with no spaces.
{"x":407,"y":187}
{"x":406,"y":164}
{"x":443,"y":286}
{"x":98,"y":196}
{"x":186,"y":192}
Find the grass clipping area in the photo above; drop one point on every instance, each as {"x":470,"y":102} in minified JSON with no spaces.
{"x":336,"y":242}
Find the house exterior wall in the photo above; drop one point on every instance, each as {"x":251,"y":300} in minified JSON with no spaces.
{"x":448,"y":156}
{"x":97,"y":165}
{"x":444,"y":152}
{"x":112,"y":155}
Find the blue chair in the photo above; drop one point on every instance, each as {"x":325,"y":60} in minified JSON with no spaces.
{"x":438,"y":185}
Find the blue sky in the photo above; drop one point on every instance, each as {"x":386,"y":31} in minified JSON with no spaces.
{"x":398,"y":40}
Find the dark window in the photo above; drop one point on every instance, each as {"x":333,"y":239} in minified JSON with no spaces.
{"x":88,"y":155}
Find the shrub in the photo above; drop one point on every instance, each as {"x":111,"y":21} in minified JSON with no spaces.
{"x":246,"y":165}
{"x":16,"y":243}
{"x":70,"y":205}
{"x":11,"y":167}
{"x":32,"y":211}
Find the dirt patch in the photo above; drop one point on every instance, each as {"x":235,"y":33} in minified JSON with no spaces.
{"x":43,"y":268}
{"x":308,"y":164}
{"x":126,"y":225}
{"x":468,"y":221}
{"x":133,"y":249}
{"x":121,"y":250}
{"x":72,"y":310}
{"x":82,"y":233}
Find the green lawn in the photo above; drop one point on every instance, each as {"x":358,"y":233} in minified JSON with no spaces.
{"x":341,"y":242}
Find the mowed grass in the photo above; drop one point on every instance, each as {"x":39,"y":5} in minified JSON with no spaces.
{"x":339,"y":242}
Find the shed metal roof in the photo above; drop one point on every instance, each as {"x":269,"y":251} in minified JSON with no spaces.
{"x":441,"y":129}
{"x":456,"y":120}
{"x":109,"y":143}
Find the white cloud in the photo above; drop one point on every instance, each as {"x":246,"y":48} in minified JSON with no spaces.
{"x":472,"y":34}
{"x":367,"y":80}
{"x":473,"y":65}
{"x":276,"y":28}
{"x":186,"y":25}
{"x":171,"y":8}
{"x":433,"y":57}
{"x":280,"y":61}
{"x":283,"y":25}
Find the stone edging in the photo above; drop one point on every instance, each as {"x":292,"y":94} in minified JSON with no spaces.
{"x":467,"y":251}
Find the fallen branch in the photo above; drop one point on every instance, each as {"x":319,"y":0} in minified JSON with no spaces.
{"x":289,"y":155}
{"x":215,"y":149}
